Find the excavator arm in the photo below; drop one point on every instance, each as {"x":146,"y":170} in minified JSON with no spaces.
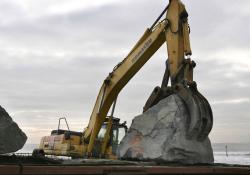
{"x":174,"y":31}
{"x":149,"y":43}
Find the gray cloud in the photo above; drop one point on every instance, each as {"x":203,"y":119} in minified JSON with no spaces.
{"x":53,"y":64}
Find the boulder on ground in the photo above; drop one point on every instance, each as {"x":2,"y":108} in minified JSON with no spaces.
{"x":12,"y":138}
{"x":160,"y":134}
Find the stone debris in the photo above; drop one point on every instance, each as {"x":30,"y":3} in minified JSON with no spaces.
{"x":12,"y":138}
{"x":160,"y":134}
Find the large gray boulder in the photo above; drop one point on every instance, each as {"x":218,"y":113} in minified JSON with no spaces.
{"x":11,"y":136}
{"x":160,"y":134}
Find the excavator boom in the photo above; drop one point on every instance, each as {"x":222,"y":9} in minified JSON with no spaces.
{"x":149,"y":43}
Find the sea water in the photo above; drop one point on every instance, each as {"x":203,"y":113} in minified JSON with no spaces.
{"x":229,"y":153}
{"x":232,"y":153}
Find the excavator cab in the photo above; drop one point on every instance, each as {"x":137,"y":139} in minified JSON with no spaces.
{"x":116,"y":133}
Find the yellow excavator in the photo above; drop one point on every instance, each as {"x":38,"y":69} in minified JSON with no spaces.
{"x":103,"y":133}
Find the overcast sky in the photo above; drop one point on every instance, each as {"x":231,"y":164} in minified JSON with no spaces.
{"x":55,"y":55}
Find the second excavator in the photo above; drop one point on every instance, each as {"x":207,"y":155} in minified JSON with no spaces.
{"x":178,"y":79}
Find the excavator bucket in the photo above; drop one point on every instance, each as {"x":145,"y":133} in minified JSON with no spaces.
{"x":200,"y":117}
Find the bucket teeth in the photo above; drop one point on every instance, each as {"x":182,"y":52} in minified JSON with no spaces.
{"x":207,"y":118}
{"x":200,"y":117}
{"x":193,"y":120}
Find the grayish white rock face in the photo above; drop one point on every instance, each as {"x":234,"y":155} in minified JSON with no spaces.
{"x":11,"y":136}
{"x":159,"y":134}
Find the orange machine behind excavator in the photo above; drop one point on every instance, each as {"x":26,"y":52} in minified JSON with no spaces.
{"x":172,"y":30}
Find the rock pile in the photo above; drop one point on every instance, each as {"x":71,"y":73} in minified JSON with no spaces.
{"x":11,"y":136}
{"x":160,"y":134}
